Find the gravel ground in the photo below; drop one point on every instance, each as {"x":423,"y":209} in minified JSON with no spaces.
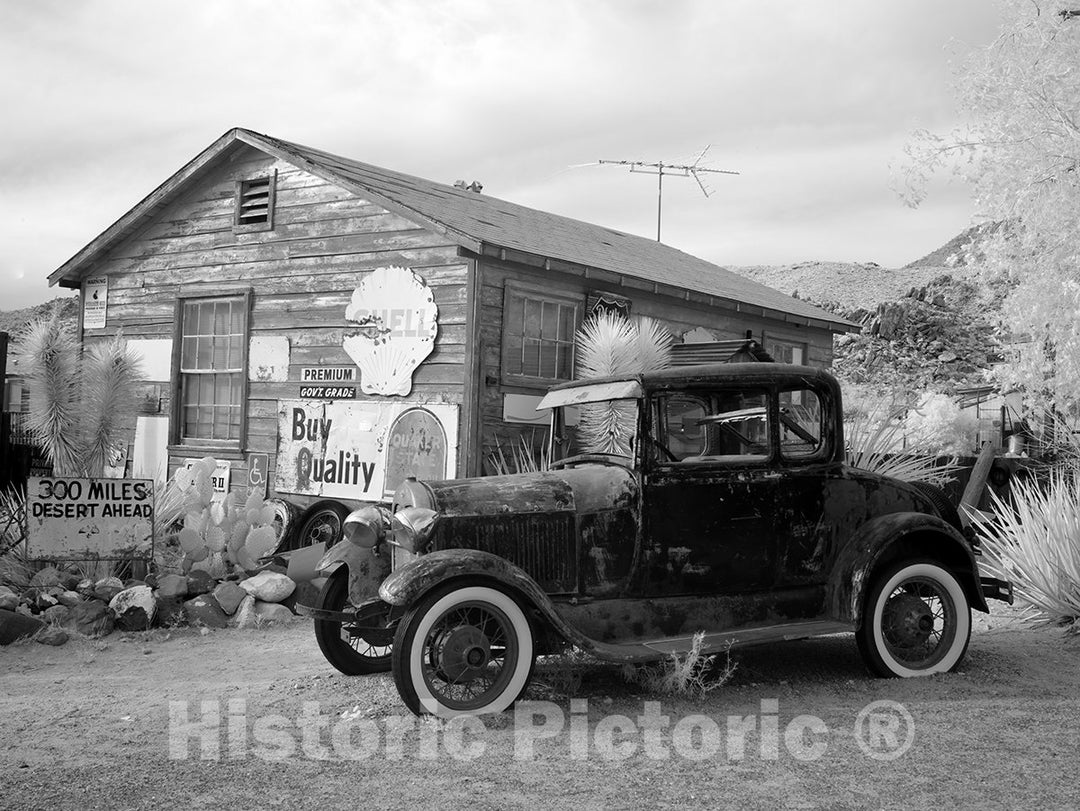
{"x":115,"y":723}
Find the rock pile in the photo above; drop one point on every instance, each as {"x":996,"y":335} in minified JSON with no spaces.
{"x":940,"y":336}
{"x":55,"y":603}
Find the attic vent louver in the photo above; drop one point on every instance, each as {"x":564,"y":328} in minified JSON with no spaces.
{"x":255,"y":204}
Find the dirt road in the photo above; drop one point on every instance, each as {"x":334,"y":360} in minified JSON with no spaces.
{"x":257,"y":719}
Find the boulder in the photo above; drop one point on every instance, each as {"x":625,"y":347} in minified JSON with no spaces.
{"x":14,"y":625}
{"x":229,"y":595}
{"x":204,"y":610}
{"x":199,"y":582}
{"x":134,"y":608}
{"x":270,"y":587}
{"x":51,"y":635}
{"x":49,"y":576}
{"x":58,"y":614}
{"x":107,"y":588}
{"x":172,"y":585}
{"x":8,"y":599}
{"x":273,"y":612}
{"x":92,"y":618}
{"x":70,"y":577}
{"x":170,"y":612}
{"x":45,"y":601}
{"x":245,"y":614}
{"x":70,"y":598}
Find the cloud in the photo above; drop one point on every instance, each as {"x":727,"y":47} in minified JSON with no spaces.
{"x":107,"y":98}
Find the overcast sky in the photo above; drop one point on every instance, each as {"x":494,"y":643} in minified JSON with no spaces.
{"x":810,"y":101}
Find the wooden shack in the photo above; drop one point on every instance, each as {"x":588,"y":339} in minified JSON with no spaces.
{"x":324,"y":327}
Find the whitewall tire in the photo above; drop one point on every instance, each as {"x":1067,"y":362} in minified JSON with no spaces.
{"x":916,"y":621}
{"x":463,"y":650}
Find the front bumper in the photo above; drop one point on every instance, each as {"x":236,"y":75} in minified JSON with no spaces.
{"x":995,"y":589}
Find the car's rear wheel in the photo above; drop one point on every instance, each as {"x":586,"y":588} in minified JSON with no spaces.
{"x":463,"y":650}
{"x":916,"y":621}
{"x":345,"y":646}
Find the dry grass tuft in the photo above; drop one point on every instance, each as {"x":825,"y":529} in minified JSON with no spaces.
{"x":692,"y":674}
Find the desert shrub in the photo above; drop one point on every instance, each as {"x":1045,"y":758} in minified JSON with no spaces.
{"x":693,"y":673}
{"x":1032,"y":539}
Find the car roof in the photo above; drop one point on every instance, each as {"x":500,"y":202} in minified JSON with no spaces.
{"x":706,"y":373}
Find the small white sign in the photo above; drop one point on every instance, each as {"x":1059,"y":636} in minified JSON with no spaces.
{"x":95,"y":302}
{"x":220,"y":478}
{"x":328,"y":374}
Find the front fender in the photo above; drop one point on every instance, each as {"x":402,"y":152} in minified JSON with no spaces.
{"x":409,"y":583}
{"x":928,"y":535}
{"x":367,"y":568}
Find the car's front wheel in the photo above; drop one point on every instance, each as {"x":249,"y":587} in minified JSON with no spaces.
{"x":353,"y":651}
{"x":463,"y":650}
{"x":916,"y":621}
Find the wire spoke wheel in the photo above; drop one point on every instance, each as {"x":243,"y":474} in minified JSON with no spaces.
{"x":360,"y":646}
{"x":916,"y":620}
{"x":463,"y":651}
{"x":919,"y":622}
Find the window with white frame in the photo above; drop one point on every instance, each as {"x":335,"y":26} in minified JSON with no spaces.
{"x":212,"y":380}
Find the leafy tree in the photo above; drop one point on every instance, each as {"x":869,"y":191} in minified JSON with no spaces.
{"x":1020,"y":152}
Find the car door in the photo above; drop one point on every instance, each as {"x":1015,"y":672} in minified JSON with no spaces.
{"x":708,"y":493}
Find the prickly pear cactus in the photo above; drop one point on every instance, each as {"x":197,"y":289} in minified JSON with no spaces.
{"x":221,"y":535}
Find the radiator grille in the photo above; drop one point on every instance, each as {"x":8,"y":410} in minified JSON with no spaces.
{"x":541,"y":545}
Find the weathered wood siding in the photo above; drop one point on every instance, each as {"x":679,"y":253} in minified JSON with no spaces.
{"x":302,"y":275}
{"x":679,"y":317}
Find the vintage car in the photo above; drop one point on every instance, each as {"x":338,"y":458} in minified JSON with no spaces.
{"x":718,"y":502}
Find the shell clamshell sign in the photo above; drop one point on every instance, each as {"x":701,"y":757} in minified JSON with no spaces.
{"x":397,"y":319}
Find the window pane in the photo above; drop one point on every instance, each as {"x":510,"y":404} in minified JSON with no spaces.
{"x":567,"y":322}
{"x":532,"y":318}
{"x":530,"y":364}
{"x":513,"y":355}
{"x":549,"y":329}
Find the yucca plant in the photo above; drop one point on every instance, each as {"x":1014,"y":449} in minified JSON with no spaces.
{"x":610,"y":344}
{"x":1033,"y":540}
{"x":523,"y":458}
{"x":78,"y":400}
{"x":879,"y":441}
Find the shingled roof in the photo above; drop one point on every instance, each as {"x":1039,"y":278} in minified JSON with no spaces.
{"x":485,"y":224}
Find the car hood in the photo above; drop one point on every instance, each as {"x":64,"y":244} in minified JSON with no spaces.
{"x":584,"y":489}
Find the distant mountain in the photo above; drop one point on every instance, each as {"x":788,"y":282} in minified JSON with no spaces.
{"x":845,"y":284}
{"x":12,"y":321}
{"x":963,"y":250}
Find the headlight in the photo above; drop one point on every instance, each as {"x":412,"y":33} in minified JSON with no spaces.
{"x":367,"y":527}
{"x":412,"y":528}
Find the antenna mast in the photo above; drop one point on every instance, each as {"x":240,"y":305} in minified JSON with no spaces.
{"x":679,"y":170}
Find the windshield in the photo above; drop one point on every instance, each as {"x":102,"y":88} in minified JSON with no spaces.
{"x":608,"y":427}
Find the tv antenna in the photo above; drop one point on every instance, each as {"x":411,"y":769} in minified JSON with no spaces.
{"x":660,"y":169}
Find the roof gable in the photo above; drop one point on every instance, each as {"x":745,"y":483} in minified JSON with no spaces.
{"x":479,"y":223}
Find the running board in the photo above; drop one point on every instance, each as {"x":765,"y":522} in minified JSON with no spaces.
{"x":716,"y":642}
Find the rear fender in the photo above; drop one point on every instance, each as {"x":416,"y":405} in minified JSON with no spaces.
{"x":367,"y":568}
{"x":890,"y":536}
